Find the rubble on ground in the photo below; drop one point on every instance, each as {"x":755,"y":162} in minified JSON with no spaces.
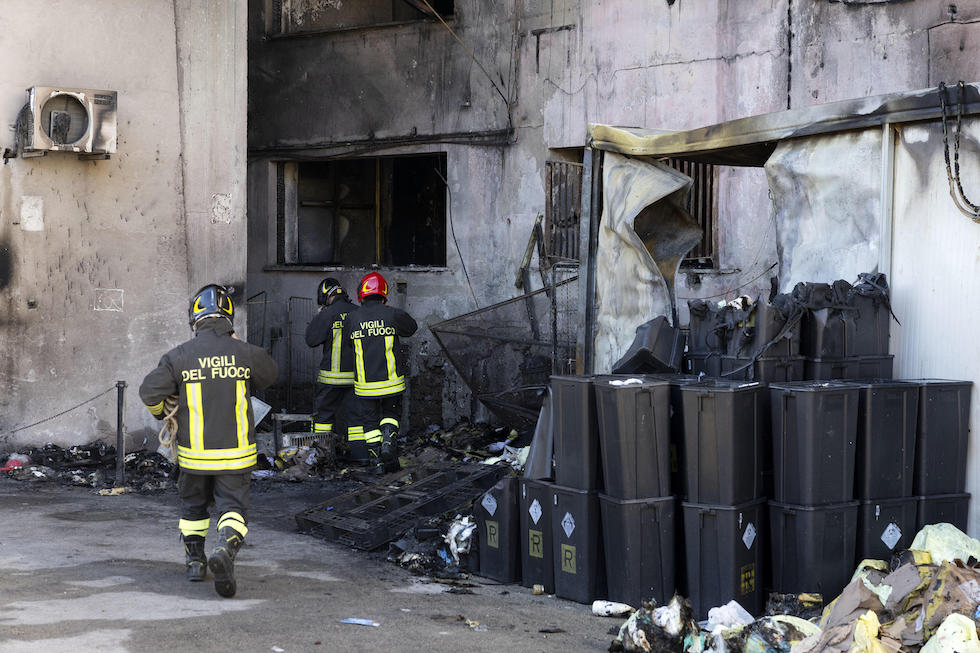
{"x":91,"y":465}
{"x":924,"y":600}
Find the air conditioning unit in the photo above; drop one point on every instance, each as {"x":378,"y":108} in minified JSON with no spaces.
{"x":70,"y":120}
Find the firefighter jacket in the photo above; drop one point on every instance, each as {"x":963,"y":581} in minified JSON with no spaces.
{"x":374,"y":330}
{"x":213,"y":376}
{"x":326,"y":328}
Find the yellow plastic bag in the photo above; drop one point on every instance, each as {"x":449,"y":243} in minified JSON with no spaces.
{"x":957,"y":634}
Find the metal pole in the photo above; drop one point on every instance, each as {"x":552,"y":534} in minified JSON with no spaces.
{"x":120,"y":443}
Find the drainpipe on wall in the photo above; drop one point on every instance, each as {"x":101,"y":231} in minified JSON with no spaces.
{"x":887,"y":200}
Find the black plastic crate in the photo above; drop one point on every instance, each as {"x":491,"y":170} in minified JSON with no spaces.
{"x":875,"y":367}
{"x":814,"y":432}
{"x":708,"y":364}
{"x":866,"y":326}
{"x":943,"y":508}
{"x":657,"y":347}
{"x":580,"y":569}
{"x":831,"y":369}
{"x":537,"y":551}
{"x":725,"y":555}
{"x":942,"y":436}
{"x":766,"y":369}
{"x":722,"y":443}
{"x":638,"y":537}
{"x":812,"y":547}
{"x":634,"y":435}
{"x":576,"y":432}
{"x":498,"y":528}
{"x":678,"y":473}
{"x":823,"y":333}
{"x":885,"y":453}
{"x":885,"y":526}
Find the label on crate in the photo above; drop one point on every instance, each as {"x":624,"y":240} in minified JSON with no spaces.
{"x":489,"y":503}
{"x":568,"y":524}
{"x":891,"y":535}
{"x":746,"y":579}
{"x":535,"y":543}
{"x":748,"y":537}
{"x":493,"y":534}
{"x":568,"y":559}
{"x":535,"y":511}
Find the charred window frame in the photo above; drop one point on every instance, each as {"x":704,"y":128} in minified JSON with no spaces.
{"x":702,"y":204}
{"x":358,"y":212}
{"x":309,"y":16}
{"x":563,"y":211}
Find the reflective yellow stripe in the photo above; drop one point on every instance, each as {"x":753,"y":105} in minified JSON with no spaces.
{"x":320,"y":427}
{"x":390,"y":420}
{"x":358,"y":362}
{"x":194,"y":527}
{"x":156,"y":409}
{"x":379,"y":388}
{"x":195,"y":416}
{"x":217,"y":459}
{"x":372,"y":437}
{"x":335,"y":349}
{"x":355,"y":433}
{"x":335,"y":378}
{"x":241,"y":414}
{"x":234,"y":521}
{"x":390,"y":357}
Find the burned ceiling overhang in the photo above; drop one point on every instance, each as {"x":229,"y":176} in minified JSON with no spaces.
{"x":750,"y":141}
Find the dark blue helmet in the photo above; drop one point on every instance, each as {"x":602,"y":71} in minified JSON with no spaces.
{"x":210,"y":301}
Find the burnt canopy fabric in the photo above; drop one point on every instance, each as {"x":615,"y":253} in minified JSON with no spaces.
{"x":644,"y":234}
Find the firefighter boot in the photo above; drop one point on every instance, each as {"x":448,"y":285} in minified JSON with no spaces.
{"x":222,"y":561}
{"x":375,"y":466}
{"x":389,"y":444}
{"x":197,"y":562}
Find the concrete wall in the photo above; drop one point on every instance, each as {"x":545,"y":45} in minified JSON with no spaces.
{"x":99,"y":292}
{"x":412,"y":87}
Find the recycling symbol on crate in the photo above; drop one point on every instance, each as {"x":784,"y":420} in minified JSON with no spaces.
{"x":535,"y":511}
{"x":568,"y":524}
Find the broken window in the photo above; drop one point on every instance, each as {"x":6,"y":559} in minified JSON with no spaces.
{"x":297,"y":16}
{"x":563,"y":210}
{"x":356,"y":212}
{"x":702,"y":204}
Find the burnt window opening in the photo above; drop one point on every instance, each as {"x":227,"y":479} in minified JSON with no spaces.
{"x":563,"y":211}
{"x":358,"y":212}
{"x":303,"y":16}
{"x":702,"y":204}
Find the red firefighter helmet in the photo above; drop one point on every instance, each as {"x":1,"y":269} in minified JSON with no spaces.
{"x":372,"y":284}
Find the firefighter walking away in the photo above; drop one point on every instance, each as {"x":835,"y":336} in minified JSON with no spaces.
{"x":373,"y":331}
{"x":212,"y":376}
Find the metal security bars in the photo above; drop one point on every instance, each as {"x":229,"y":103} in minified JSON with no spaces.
{"x":702,"y":204}
{"x":563,"y":210}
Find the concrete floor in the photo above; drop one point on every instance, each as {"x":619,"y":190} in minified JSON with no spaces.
{"x":80,"y":571}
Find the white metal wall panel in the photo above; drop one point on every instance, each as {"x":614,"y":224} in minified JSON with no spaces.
{"x":936,"y":272}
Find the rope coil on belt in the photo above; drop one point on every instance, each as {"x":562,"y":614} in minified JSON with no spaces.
{"x":168,"y":432}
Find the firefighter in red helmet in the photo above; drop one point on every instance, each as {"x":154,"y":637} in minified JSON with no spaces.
{"x":374,"y":331}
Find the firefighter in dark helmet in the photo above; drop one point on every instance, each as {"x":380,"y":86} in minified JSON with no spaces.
{"x":212,"y":375}
{"x":373,"y":331}
{"x":335,"y":380}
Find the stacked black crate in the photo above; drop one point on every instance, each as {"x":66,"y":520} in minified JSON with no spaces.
{"x":764,"y":341}
{"x":706,"y":338}
{"x":845,"y":329}
{"x":536,"y":498}
{"x":637,"y":506}
{"x":498,"y":525}
{"x":579,"y":564}
{"x":813,"y":513}
{"x":724,"y":510}
{"x":942,"y":434}
{"x":887,"y":412}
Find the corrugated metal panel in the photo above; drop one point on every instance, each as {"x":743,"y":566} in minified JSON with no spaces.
{"x":936,"y":273}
